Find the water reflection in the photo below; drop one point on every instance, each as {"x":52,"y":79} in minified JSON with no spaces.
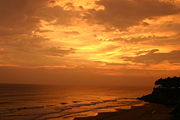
{"x":39,"y":102}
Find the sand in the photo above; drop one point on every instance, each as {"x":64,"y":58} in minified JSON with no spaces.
{"x":149,"y":111}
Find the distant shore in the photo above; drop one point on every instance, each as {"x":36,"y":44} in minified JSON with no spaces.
{"x":149,"y":111}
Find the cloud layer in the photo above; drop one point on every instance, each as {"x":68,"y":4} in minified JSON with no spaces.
{"x":125,"y":13}
{"x":107,"y":39}
{"x":154,"y":58}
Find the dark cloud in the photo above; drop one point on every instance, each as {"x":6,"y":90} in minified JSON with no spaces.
{"x":18,"y":15}
{"x":57,"y":13}
{"x":172,"y":25}
{"x":112,"y":64}
{"x":125,"y":13}
{"x":151,"y":40}
{"x":22,"y":41}
{"x":171,"y":40}
{"x":137,"y":39}
{"x":57,"y":51}
{"x":20,"y":22}
{"x":147,"y":51}
{"x":117,"y":64}
{"x":72,"y":32}
{"x":23,"y":16}
{"x":154,"y":58}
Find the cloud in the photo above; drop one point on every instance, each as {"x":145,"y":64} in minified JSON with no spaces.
{"x":34,"y":56}
{"x":122,"y":14}
{"x":57,"y":14}
{"x":137,"y":39}
{"x":148,"y":51}
{"x":20,"y":21}
{"x":72,"y":32}
{"x":20,"y":33}
{"x":57,"y":51}
{"x":23,"y":16}
{"x":154,"y":58}
{"x":36,"y":33}
{"x":18,"y":15}
{"x":151,"y":39}
{"x":171,"y":40}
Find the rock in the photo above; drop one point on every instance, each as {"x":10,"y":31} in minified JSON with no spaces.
{"x":167,"y":92}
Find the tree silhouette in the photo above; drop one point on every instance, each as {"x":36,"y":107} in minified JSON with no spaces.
{"x":173,"y":82}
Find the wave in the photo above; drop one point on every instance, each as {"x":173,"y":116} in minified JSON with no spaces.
{"x":68,"y":114}
{"x":61,"y":110}
{"x":119,"y":104}
{"x":17,"y":95}
{"x":20,"y":108}
{"x":1,"y":103}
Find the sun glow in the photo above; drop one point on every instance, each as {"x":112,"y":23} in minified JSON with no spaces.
{"x":97,"y":37}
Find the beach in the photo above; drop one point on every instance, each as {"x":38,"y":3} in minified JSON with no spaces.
{"x":149,"y":111}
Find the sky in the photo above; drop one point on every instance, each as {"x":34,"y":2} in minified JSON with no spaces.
{"x":125,"y":42}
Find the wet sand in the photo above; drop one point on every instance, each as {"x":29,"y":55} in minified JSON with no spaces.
{"x":149,"y":111}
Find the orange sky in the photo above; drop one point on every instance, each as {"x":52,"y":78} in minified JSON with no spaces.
{"x":127,"y":42}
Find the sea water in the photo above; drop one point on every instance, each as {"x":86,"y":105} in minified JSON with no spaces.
{"x":43,"y":102}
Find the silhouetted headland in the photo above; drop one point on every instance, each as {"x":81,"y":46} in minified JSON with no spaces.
{"x":162,"y":104}
{"x":167,"y":92}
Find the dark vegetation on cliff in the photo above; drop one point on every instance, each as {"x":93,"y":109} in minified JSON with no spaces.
{"x":167,"y":92}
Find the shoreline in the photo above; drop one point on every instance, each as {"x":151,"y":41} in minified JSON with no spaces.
{"x":149,"y":111}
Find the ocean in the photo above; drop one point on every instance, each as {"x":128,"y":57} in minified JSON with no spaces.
{"x":43,"y":102}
